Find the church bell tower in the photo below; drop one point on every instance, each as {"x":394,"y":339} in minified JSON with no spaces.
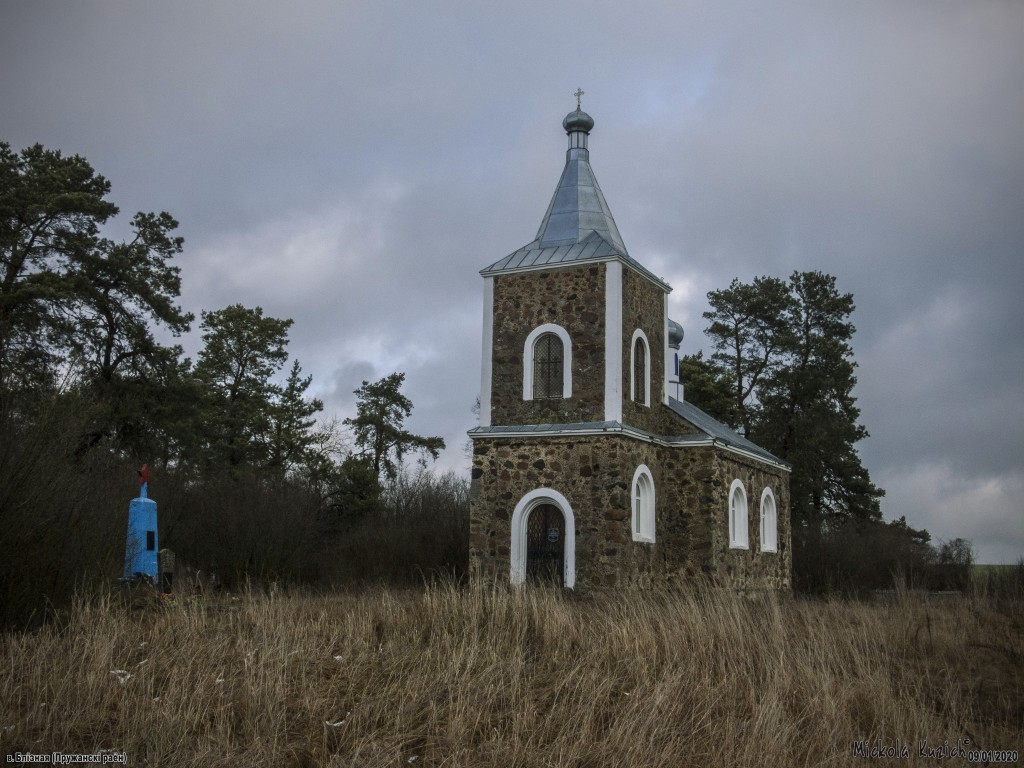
{"x":588,"y":467}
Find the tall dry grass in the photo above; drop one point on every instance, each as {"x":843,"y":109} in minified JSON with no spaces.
{"x":499,"y":677}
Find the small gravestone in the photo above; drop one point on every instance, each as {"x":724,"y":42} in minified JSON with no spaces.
{"x":140,"y":561}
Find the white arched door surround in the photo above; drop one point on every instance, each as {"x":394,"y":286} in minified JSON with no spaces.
{"x":526,"y":505}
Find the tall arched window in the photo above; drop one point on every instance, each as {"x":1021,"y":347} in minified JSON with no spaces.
{"x":738,"y":516}
{"x":640,"y":369}
{"x":769,"y":522}
{"x":643,"y":504}
{"x":547,"y":363}
{"x":547,"y":367}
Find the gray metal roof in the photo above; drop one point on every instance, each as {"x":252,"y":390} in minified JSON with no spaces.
{"x":718,"y":430}
{"x":577,"y":227}
{"x":592,"y":248}
{"x":578,"y":207}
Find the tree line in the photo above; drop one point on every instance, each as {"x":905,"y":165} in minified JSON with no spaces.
{"x":252,"y":481}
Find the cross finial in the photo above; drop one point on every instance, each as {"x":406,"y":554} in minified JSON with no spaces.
{"x":579,"y":92}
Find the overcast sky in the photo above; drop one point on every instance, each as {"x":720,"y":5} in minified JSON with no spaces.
{"x":353,"y":165}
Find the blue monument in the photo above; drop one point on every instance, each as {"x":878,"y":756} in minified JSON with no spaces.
{"x":140,"y":551}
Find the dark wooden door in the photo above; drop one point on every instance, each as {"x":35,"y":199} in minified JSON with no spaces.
{"x":545,"y":545}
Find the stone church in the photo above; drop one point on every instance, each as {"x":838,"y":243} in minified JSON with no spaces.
{"x":589,"y":467}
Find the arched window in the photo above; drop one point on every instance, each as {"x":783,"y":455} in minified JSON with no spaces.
{"x":547,"y":363}
{"x":643,"y":504}
{"x":640,"y":369}
{"x":547,"y":367}
{"x":769,"y":522}
{"x":738,"y":516}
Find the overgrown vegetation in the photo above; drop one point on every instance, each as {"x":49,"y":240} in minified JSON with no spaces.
{"x":485,"y":677}
{"x":254,"y":486}
{"x":1002,"y":582}
{"x":252,"y":483}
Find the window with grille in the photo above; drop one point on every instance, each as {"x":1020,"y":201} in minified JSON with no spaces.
{"x":547,"y":367}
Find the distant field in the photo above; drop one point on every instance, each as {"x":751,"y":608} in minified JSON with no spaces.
{"x":982,"y":568}
{"x":451,"y":677}
{"x":1003,"y":580}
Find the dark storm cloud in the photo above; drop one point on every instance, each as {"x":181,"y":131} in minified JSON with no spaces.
{"x":353,"y":166}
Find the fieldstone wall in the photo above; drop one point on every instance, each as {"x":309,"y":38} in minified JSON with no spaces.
{"x":590,"y":472}
{"x":685,"y":520}
{"x":643,"y":307}
{"x":751,"y":568}
{"x":573,"y":298}
{"x":595,"y":472}
{"x":595,"y":476}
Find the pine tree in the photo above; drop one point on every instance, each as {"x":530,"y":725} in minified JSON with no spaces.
{"x":379,"y":425}
{"x":785,"y":349}
{"x":808,"y":413}
{"x":51,"y":207}
{"x":243,"y":351}
{"x":749,"y":331}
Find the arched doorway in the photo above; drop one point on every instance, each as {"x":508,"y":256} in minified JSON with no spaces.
{"x":544,"y":539}
{"x":545,"y":545}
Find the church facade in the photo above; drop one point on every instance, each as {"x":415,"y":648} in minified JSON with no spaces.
{"x":590,"y":469}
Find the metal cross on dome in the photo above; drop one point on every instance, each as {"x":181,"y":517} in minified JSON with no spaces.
{"x":579,"y":92}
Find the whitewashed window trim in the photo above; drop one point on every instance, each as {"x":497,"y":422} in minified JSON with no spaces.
{"x":633,"y":394}
{"x":528,"y":350}
{"x":739,"y":516}
{"x":643,"y":505}
{"x":769,"y":522}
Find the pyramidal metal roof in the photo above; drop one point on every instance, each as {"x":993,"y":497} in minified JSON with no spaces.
{"x":578,"y":207}
{"x":578,"y":225}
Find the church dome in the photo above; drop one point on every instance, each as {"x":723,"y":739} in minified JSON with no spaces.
{"x":578,"y":121}
{"x":675,"y":334}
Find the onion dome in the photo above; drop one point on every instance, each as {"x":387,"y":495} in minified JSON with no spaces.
{"x":578,"y":121}
{"x":675,"y":334}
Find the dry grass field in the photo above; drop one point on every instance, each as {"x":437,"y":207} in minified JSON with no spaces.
{"x":444,"y":676}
